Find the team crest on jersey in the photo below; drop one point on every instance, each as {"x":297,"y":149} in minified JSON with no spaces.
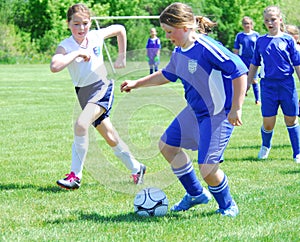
{"x":97,"y":50}
{"x":192,"y":66}
{"x":282,"y":45}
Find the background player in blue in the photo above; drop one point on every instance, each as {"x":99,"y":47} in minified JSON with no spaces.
{"x":277,"y":54}
{"x":215,"y":82}
{"x":244,"y":47}
{"x":82,"y":54}
{"x":153,"y":51}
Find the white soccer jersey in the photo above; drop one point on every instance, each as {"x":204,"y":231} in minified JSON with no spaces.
{"x":85,"y":73}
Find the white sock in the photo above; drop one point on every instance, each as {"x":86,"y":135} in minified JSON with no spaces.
{"x":79,"y":151}
{"x":123,"y":153}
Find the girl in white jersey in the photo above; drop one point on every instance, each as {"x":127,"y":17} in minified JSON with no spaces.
{"x":214,"y":81}
{"x":82,"y":54}
{"x":277,"y":54}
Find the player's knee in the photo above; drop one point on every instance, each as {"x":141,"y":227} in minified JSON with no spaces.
{"x":80,"y":128}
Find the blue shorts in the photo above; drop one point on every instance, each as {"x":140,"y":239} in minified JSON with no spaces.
{"x":279,"y":92}
{"x":208,"y":135}
{"x":97,"y":93}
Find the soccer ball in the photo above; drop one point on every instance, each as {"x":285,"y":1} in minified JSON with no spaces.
{"x":150,"y":202}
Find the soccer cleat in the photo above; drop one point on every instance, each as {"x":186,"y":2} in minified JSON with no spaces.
{"x":70,"y":182}
{"x":138,"y":178}
{"x":297,"y":159}
{"x":231,"y":211}
{"x":189,"y":201}
{"x":264,"y":152}
{"x":258,"y":103}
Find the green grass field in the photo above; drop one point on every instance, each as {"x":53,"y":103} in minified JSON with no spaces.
{"x":38,"y":109}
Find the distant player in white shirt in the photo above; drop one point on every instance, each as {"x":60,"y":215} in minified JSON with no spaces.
{"x":82,"y":54}
{"x":277,"y":54}
{"x":244,"y":44}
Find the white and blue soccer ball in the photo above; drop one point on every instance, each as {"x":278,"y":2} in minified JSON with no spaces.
{"x":150,"y":202}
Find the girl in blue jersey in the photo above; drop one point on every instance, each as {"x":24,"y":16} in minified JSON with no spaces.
{"x":214,"y":80}
{"x":82,"y":54}
{"x":244,"y":47}
{"x":153,"y":50}
{"x":277,"y":54}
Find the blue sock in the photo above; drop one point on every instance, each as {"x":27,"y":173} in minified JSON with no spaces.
{"x":266,"y":137}
{"x":294,"y":133}
{"x":188,"y":179}
{"x":255,"y":87}
{"x":222,"y":193}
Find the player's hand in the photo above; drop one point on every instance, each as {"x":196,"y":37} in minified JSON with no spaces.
{"x":156,"y":58}
{"x":84,"y":55}
{"x":126,"y":86}
{"x":234,"y":117}
{"x":120,"y":62}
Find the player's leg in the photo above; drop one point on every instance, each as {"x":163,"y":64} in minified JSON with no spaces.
{"x":269,"y":109}
{"x":294,"y":134}
{"x":289,"y":106}
{"x":80,"y":145}
{"x":182,"y":167}
{"x":215,"y":133}
{"x":121,"y":150}
{"x":267,"y":131}
{"x":256,"y":91}
{"x":181,"y":133}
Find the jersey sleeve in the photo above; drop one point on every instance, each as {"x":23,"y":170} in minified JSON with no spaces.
{"x":256,"y":59}
{"x":169,"y":71}
{"x":223,"y":59}
{"x":295,"y":53}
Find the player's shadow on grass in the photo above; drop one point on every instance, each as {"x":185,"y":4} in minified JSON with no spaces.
{"x":132,"y":217}
{"x":16,"y":186}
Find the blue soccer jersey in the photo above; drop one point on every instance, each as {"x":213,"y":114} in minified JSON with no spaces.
{"x":245,"y":43}
{"x":153,"y":46}
{"x":206,"y":70}
{"x":277,"y":56}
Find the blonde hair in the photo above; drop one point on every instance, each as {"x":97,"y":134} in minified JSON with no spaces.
{"x":274,"y":10}
{"x":78,"y":8}
{"x":294,"y":31}
{"x":180,"y":15}
{"x":246,"y":18}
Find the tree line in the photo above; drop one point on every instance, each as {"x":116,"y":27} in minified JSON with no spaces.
{"x":32,"y":29}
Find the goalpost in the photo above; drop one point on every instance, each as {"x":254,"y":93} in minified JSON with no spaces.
{"x":96,"y":19}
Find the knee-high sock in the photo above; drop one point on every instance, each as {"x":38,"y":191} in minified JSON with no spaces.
{"x":123,"y":153}
{"x":256,"y":91}
{"x":266,"y":137}
{"x":294,"y":133}
{"x":79,"y":151}
{"x":187,"y":176}
{"x":222,"y":193}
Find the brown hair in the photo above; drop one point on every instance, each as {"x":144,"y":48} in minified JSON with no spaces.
{"x":78,"y":8}
{"x":179,"y":15}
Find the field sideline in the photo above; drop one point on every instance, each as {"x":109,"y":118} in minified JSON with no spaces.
{"x":37,"y":112}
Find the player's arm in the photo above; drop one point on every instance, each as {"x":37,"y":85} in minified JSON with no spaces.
{"x":297,"y":69}
{"x":236,"y":51}
{"x":61,"y":59}
{"x":239,"y":91}
{"x":120,"y":32}
{"x":252,"y":71}
{"x":155,"y":79}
